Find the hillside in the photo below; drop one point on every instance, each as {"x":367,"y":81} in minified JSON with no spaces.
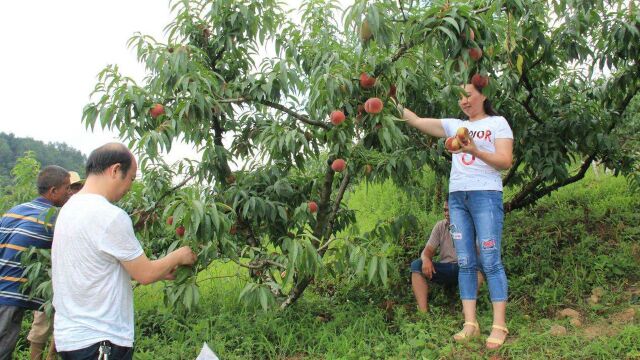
{"x":12,"y":147}
{"x":576,"y":249}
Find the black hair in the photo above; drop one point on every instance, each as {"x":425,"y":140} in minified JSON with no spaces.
{"x":51,"y":176}
{"x":486,"y":106}
{"x":106,"y":155}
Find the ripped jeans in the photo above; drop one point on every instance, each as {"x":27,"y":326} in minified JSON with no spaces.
{"x":476,"y":230}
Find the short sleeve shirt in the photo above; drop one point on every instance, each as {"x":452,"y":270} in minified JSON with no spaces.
{"x":441,"y":238}
{"x":467,"y":172}
{"x":93,"y":297}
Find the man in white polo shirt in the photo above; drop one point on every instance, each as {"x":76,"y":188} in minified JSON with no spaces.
{"x":95,"y":255}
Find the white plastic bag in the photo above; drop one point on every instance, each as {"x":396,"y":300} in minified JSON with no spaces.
{"x":206,"y":353}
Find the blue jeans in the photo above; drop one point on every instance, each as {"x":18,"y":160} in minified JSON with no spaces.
{"x":476,"y":223}
{"x":446,"y":273}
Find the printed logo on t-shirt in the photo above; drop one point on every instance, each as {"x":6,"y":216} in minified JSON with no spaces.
{"x":467,"y":159}
{"x":478,"y":137}
{"x":484,"y":135}
{"x":469,"y":172}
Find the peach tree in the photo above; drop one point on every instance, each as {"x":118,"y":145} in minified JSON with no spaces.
{"x":287,"y":110}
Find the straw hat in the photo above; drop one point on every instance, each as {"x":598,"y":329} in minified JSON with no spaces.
{"x":74,"y":178}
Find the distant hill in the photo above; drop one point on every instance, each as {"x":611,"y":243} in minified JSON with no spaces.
{"x":12,"y":147}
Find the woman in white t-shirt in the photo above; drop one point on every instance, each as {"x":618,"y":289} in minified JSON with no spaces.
{"x":475,"y":204}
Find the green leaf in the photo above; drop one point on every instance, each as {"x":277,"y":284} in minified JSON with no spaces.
{"x":382,"y":269}
{"x":361,"y":262}
{"x":519,"y":62}
{"x":264,"y":298}
{"x":448,"y":32}
{"x":373,"y":267}
{"x":453,"y":23}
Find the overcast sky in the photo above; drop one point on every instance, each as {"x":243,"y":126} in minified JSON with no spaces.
{"x":52,"y":52}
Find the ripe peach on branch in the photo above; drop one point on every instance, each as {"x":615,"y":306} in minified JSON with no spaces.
{"x":337,"y":117}
{"x":479,"y":81}
{"x":313,"y":207}
{"x":180,"y":231}
{"x":366,"y":81}
{"x":338,"y":165}
{"x":373,"y":105}
{"x":475,"y":53}
{"x":156,"y":110}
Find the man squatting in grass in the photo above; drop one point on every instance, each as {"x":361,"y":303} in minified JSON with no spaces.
{"x":95,"y":255}
{"x":475,"y":202}
{"x":22,"y":227}
{"x":444,"y":271}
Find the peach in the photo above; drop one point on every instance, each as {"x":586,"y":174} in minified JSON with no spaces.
{"x":368,"y":169}
{"x":475,"y":53}
{"x":338,"y":165}
{"x":479,"y":81}
{"x":156,"y":110}
{"x":452,"y":144}
{"x":366,"y":81}
{"x":373,"y":105}
{"x":337,"y":117}
{"x":463,"y":135}
{"x":180,"y":231}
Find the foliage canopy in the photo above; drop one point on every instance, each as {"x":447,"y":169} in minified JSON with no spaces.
{"x":563,"y":72}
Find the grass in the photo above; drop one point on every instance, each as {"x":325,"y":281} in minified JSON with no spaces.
{"x":583,"y":236}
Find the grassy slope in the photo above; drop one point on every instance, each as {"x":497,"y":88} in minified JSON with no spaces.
{"x":585,"y":235}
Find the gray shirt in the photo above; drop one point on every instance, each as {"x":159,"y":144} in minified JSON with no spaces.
{"x":441,"y":238}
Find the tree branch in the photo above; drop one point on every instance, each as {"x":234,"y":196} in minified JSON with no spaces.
{"x":295,"y":115}
{"x":512,"y":172}
{"x":274,"y":105}
{"x":404,"y":16}
{"x":334,"y":211}
{"x":513,"y":203}
{"x":528,"y":196}
{"x":527,"y":103}
{"x":259,"y":264}
{"x":215,"y":277}
{"x":533,"y":197}
{"x":323,"y":205}
{"x":181,"y":184}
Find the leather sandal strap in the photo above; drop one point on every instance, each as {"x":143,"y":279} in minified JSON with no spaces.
{"x":496,"y":341}
{"x":474,"y":324}
{"x":461,"y":335}
{"x":499,"y":327}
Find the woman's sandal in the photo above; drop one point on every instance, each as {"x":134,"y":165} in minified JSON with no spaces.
{"x":496,"y":341}
{"x":463,"y":336}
